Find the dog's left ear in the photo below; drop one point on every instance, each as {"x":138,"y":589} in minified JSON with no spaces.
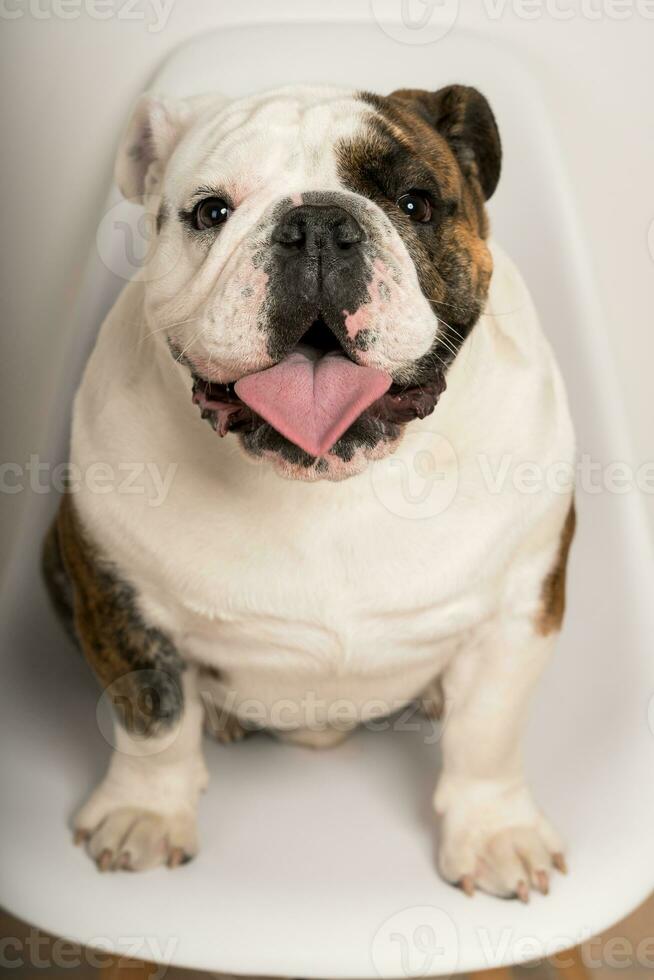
{"x":464,"y":118}
{"x":155,"y":127}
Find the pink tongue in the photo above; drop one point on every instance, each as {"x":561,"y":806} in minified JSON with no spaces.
{"x":312,"y":398}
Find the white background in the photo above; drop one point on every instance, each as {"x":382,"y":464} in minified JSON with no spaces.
{"x":69,"y":78}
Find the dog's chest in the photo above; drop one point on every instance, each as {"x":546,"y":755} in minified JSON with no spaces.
{"x":329,"y":630}
{"x":302,"y":594}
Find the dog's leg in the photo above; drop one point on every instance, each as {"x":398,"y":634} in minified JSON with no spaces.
{"x":492,"y":835}
{"x":143,"y":813}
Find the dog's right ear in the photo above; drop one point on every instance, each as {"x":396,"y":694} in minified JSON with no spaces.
{"x":155,"y":127}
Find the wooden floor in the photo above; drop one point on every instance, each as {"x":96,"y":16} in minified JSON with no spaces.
{"x":618,"y":952}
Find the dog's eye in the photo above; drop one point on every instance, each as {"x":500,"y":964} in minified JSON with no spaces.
{"x":416,"y":205}
{"x":210,"y":213}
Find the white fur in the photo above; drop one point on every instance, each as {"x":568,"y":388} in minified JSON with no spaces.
{"x":334,"y":590}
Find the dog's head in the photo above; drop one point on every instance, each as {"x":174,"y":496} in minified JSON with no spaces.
{"x":320,"y":259}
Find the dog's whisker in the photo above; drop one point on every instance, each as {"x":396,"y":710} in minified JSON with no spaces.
{"x":444,"y":339}
{"x":447,"y":343}
{"x":457,"y":333}
{"x":463,"y":310}
{"x":186,"y":347}
{"x":168,"y":326}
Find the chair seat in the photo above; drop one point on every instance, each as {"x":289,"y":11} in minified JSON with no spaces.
{"x":321,"y":864}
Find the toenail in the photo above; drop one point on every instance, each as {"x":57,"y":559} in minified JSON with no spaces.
{"x":467,"y":884}
{"x":543,"y":882}
{"x":559,"y":863}
{"x":104,"y":861}
{"x":176,"y":857}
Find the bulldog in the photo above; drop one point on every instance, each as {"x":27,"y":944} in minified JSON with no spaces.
{"x":321,"y":320}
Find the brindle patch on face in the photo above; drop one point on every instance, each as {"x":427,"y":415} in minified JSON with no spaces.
{"x":400,"y":151}
{"x":139,"y":662}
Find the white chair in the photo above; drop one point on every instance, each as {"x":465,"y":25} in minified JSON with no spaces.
{"x":321,"y":864}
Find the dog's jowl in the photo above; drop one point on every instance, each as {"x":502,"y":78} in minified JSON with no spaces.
{"x":330,"y":355}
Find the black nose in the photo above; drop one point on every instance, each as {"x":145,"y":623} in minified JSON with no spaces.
{"x":318,"y":230}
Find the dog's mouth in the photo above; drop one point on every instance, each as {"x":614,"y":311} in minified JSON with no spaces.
{"x":313,"y":395}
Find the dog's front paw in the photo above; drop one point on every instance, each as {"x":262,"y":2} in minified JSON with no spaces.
{"x":495,"y":839}
{"x":131,"y":838}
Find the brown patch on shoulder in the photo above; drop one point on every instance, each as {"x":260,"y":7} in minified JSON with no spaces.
{"x":553,"y":593}
{"x":138,"y":662}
